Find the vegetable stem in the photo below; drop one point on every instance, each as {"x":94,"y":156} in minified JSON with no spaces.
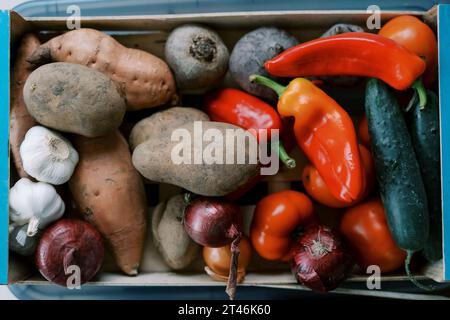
{"x":278,"y":88}
{"x":411,"y":102}
{"x":411,"y":276}
{"x":187,"y":198}
{"x":233,"y":276}
{"x":421,"y":91}
{"x":285,"y":158}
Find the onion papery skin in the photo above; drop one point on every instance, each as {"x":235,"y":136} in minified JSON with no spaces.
{"x":321,"y":260}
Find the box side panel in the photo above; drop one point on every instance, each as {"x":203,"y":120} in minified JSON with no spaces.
{"x":444,"y":91}
{"x":218,"y":21}
{"x":18,"y":27}
{"x":4,"y":156}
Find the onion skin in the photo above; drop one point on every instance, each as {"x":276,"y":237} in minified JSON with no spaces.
{"x":321,"y":260}
{"x":69,"y":242}
{"x":211,"y":222}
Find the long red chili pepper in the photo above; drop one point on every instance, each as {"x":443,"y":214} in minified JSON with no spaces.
{"x":353,"y":54}
{"x":325,"y":133}
{"x":245,"y":111}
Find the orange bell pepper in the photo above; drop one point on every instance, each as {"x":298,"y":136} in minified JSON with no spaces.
{"x":325,"y":133}
{"x":276,"y":217}
{"x":318,"y":190}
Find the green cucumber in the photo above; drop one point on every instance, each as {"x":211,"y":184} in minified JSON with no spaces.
{"x":423,"y":125}
{"x":397,"y":170}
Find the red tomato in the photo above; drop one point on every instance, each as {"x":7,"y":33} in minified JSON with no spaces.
{"x":318,"y":190}
{"x":417,"y":37}
{"x":366,"y":229}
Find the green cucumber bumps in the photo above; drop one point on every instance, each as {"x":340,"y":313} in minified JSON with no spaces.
{"x":423,"y":126}
{"x":397,"y":170}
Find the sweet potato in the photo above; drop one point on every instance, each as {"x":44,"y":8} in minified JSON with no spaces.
{"x":162,"y":123}
{"x":155,"y":159}
{"x":147,"y":80}
{"x":110,"y":194}
{"x":20,"y":119}
{"x":73,"y":98}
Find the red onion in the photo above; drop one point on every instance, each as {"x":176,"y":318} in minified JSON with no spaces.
{"x":69,"y":243}
{"x":320,"y":259}
{"x":215,"y":223}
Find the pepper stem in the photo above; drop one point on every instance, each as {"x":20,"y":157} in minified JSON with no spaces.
{"x":187,"y":198}
{"x":411,"y":276}
{"x":278,"y":88}
{"x":421,"y":91}
{"x":285,"y":158}
{"x":412,"y":102}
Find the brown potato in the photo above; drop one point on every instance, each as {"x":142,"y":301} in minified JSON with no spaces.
{"x":20,"y":120}
{"x":146,"y":80}
{"x":176,"y":247}
{"x":110,"y":194}
{"x":73,"y":98}
{"x":162,"y":123}
{"x":154,"y":160}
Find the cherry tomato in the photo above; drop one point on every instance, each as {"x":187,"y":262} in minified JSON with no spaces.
{"x":318,"y":190}
{"x":218,"y":259}
{"x":417,"y":37}
{"x":366,"y":229}
{"x":276,"y":217}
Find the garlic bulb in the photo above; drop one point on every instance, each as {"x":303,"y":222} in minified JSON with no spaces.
{"x":35,"y":203}
{"x":47,"y":156}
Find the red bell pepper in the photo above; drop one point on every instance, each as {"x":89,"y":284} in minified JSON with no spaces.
{"x":248,"y":112}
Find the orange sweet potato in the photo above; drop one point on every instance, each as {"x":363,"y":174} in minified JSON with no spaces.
{"x":20,"y":119}
{"x":146,"y":80}
{"x":109,"y":193}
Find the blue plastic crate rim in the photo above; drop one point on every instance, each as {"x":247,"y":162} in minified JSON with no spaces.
{"x":444,"y":83}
